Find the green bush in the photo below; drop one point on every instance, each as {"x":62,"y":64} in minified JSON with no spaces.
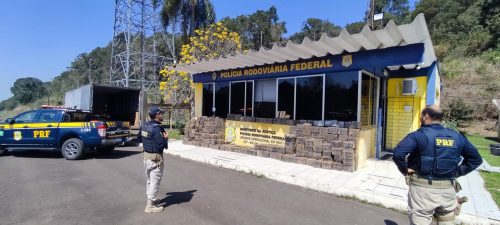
{"x":179,"y":121}
{"x":450,"y":123}
{"x":458,"y":112}
{"x":8,"y":104}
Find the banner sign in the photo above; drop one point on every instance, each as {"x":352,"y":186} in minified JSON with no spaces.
{"x":401,"y":55}
{"x":251,"y":133}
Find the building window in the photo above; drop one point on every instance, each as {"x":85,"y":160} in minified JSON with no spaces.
{"x":238,"y":98}
{"x":208,"y":99}
{"x":369,"y":88}
{"x":265,"y":98}
{"x":286,"y":96}
{"x":221,"y":99}
{"x":242,"y":98}
{"x":309,"y":98}
{"x":249,"y":99}
{"x":341,"y":96}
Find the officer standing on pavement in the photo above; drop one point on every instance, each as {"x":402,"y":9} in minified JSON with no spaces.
{"x":154,"y":140}
{"x":432,"y":158}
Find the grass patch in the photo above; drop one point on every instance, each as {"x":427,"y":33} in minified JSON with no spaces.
{"x":492,"y":181}
{"x":483,"y":145}
{"x":175,"y":134}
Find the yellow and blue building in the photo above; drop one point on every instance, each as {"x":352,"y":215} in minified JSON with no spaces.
{"x":375,"y":81}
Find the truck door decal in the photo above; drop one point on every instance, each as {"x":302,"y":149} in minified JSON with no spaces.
{"x":18,"y":135}
{"x":41,"y":133}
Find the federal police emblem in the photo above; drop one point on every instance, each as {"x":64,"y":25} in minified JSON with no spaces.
{"x":347,"y":60}
{"x":230,"y":133}
{"x":18,"y":135}
{"x":214,"y":76}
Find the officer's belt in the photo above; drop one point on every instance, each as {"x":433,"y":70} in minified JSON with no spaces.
{"x":152,"y":156}
{"x":424,"y":182}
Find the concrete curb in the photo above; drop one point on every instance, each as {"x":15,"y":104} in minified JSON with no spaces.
{"x":318,"y":186}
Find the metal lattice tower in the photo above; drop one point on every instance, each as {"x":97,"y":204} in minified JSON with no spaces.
{"x":138,"y":37}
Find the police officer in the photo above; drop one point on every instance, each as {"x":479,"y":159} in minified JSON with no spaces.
{"x":154,"y":140}
{"x":432,"y":158}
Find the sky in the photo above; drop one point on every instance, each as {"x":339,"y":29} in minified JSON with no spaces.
{"x":41,"y":38}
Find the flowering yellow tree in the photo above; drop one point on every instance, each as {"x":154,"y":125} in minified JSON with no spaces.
{"x":177,"y":87}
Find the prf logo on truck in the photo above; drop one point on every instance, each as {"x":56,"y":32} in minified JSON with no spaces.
{"x":41,"y":133}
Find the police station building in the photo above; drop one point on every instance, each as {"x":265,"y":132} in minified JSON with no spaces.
{"x":331,"y":103}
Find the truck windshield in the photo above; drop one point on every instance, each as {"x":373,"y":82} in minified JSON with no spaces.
{"x":77,"y":117}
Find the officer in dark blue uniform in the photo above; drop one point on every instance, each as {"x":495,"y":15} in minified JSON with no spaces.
{"x":154,"y":141}
{"x":431,"y":158}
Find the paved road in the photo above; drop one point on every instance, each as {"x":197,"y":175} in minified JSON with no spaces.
{"x":43,"y":188}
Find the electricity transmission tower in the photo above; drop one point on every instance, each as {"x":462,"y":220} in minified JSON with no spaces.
{"x":139,"y":41}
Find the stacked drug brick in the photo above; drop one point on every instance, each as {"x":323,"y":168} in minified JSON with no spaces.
{"x":322,"y":147}
{"x":327,"y":147}
{"x":205,"y":132}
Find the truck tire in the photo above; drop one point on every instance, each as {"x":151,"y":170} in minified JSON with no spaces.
{"x":106,"y":149}
{"x":72,"y":149}
{"x":3,"y":151}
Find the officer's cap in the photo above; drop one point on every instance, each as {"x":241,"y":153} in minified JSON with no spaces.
{"x":155,"y":110}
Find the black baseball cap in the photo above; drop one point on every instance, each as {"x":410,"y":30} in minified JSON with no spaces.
{"x":155,"y":110}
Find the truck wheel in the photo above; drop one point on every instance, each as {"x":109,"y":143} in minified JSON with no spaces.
{"x":72,"y":149}
{"x":106,"y":149}
{"x":3,"y":151}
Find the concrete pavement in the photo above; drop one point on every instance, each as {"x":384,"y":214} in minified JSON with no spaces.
{"x":379,"y":182}
{"x":43,"y":188}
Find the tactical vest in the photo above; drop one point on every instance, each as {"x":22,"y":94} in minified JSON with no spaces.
{"x":441,"y":157}
{"x":147,"y":138}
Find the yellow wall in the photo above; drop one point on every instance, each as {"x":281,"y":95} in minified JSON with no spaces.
{"x":198,"y":99}
{"x":403,"y":112}
{"x":366,"y":146}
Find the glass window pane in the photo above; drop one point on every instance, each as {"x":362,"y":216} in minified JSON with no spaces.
{"x":221,"y":99}
{"x":47,"y":117}
{"x":309,"y":98}
{"x":265,"y":98}
{"x":238,"y":98}
{"x":286,"y":89}
{"x":26,"y":117}
{"x":208,"y":99}
{"x":341,"y":96}
{"x":249,"y":96}
{"x":368,"y":100}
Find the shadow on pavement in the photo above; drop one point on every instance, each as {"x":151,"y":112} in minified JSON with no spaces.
{"x":116,"y":154}
{"x":49,"y":154}
{"x":174,"y":198}
{"x":390,"y":222}
{"x":54,"y":154}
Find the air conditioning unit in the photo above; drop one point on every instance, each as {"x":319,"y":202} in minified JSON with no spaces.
{"x":409,"y":87}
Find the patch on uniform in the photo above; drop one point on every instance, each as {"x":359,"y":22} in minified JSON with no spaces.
{"x":445,"y":142}
{"x":1,"y":133}
{"x":144,"y":134}
{"x":18,"y":135}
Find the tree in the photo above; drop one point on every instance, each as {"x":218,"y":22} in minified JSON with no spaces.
{"x":461,"y":28}
{"x":189,"y":15}
{"x":397,"y":10}
{"x":313,"y":28}
{"x":213,"y":42}
{"x":261,"y":28}
{"x":27,"y":90}
{"x":356,"y":27}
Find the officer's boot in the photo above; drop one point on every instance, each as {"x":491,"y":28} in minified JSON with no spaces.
{"x":152,"y":207}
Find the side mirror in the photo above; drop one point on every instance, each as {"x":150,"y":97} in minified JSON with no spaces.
{"x":9,"y":121}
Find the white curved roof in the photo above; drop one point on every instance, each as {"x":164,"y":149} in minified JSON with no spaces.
{"x":391,"y":36}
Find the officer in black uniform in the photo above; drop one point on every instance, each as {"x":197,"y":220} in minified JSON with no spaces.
{"x":432,"y":158}
{"x":154,"y":141}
